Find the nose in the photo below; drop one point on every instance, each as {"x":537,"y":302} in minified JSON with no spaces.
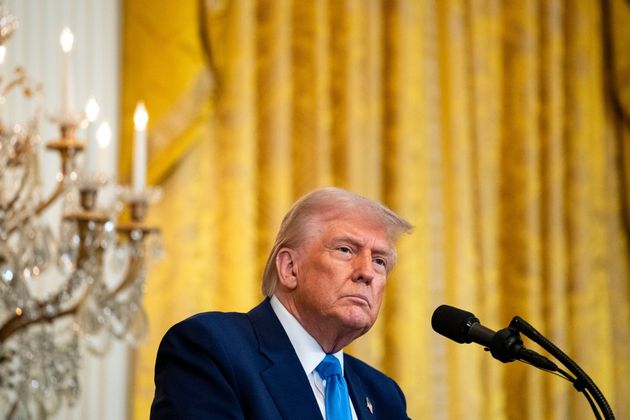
{"x":363,"y":269}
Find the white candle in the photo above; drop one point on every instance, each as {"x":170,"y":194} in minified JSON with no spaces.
{"x":140,"y":119}
{"x":104,"y":138}
{"x":91,"y":112}
{"x":66,"y":40}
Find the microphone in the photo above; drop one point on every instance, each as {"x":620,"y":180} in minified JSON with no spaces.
{"x":504,"y":345}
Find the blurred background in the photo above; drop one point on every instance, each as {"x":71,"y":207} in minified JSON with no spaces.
{"x":500,"y":129}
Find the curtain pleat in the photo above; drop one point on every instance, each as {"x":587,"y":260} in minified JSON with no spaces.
{"x":235,"y":132}
{"x":405,"y":153}
{"x":520,"y":194}
{"x":553,"y":208}
{"x":486,"y":73}
{"x":311,"y":101}
{"x":274,"y":118}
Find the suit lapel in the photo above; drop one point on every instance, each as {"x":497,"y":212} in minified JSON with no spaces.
{"x":360,"y":400}
{"x":285,"y":379}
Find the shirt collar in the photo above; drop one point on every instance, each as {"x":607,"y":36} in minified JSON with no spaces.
{"x":307,"y":348}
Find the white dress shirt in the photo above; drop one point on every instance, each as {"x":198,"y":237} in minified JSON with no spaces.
{"x":308,"y":351}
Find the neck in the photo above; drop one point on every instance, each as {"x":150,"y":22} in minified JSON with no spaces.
{"x":329,"y":337}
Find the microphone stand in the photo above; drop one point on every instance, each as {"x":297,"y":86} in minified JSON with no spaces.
{"x":582,"y":382}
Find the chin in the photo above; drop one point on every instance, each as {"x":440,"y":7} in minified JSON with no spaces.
{"x":358,"y":320}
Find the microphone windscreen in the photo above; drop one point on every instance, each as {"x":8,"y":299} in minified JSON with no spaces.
{"x":453,"y":323}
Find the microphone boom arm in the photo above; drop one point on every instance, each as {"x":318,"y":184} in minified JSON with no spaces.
{"x":582,"y":381}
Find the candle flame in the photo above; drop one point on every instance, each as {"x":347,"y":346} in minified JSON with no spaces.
{"x":66,"y":40}
{"x":92,"y":109}
{"x":103,"y":135}
{"x":140,"y":117}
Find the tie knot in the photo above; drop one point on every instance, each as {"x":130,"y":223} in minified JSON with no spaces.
{"x":328,"y":367}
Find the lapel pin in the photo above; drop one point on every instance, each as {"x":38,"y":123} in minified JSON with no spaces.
{"x":368,"y":403}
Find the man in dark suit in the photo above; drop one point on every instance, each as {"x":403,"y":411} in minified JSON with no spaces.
{"x":324,"y":281}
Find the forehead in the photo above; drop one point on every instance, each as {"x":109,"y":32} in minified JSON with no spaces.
{"x":356,"y":225}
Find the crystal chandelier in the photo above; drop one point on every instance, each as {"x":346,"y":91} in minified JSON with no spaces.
{"x":55,"y":299}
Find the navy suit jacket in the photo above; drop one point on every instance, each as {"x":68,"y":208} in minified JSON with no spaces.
{"x":243,"y":366}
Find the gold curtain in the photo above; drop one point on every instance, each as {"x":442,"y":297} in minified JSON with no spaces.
{"x":492,"y":125}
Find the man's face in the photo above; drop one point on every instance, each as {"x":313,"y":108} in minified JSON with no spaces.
{"x":341,"y":272}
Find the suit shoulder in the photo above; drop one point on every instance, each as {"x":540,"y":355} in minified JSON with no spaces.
{"x":215,"y":317}
{"x":211,"y":319}
{"x":220,"y":325}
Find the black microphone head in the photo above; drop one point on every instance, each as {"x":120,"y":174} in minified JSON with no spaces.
{"x":453,"y":323}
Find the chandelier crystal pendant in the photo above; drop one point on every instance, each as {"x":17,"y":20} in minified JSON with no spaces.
{"x":43,"y":330}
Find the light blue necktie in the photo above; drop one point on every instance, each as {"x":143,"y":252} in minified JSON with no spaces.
{"x":337,"y":400}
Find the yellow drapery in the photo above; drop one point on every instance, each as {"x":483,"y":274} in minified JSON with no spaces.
{"x":488,"y":124}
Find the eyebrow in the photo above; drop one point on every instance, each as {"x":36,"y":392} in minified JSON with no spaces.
{"x":387,"y":252}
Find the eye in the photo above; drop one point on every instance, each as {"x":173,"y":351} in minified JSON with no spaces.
{"x":344,"y":249}
{"x":380,"y":261}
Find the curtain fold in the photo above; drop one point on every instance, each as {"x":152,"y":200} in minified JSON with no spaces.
{"x":490,"y":125}
{"x":553,"y":206}
{"x":406,"y":154}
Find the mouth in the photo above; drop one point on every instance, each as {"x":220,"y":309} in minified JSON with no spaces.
{"x":360,"y":299}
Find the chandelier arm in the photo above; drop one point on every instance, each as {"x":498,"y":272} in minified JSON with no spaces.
{"x":20,"y":221}
{"x":19,"y":80}
{"x":67,"y":148}
{"x":19,"y":322}
{"x":9,"y":205}
{"x":20,"y":190}
{"x":44,"y":204}
{"x":135,"y":266}
{"x":55,"y":194}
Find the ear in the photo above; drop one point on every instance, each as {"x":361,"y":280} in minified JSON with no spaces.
{"x":286,"y":265}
